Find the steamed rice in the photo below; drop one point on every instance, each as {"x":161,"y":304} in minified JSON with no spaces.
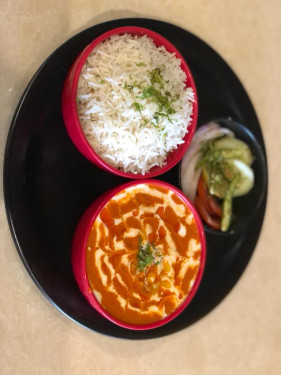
{"x":132,"y":102}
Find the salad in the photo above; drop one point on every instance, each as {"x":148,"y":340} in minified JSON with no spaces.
{"x":215,"y":169}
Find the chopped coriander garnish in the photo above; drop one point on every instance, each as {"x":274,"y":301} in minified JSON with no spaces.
{"x":77,"y":100}
{"x":175,"y":98}
{"x":102,"y":81}
{"x":156,"y":77}
{"x":162,"y":100}
{"x":147,"y":255}
{"x":155,"y":93}
{"x":171,"y":111}
{"x":157,"y":116}
{"x":128,"y":87}
{"x":138,"y":106}
{"x":148,"y":92}
{"x":145,"y":122}
{"x":136,"y":84}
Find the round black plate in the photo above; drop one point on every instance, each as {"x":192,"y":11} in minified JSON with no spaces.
{"x":48,"y":184}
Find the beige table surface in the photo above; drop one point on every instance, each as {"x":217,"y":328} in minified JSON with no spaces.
{"x":243,"y":334}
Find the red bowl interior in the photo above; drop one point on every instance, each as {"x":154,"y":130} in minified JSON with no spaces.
{"x":78,"y":256}
{"x":69,"y":106}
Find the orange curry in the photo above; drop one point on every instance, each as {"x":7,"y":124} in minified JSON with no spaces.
{"x":143,"y":254}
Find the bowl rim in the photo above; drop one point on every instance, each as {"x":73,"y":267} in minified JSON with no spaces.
{"x":74,"y":74}
{"x":93,"y":211}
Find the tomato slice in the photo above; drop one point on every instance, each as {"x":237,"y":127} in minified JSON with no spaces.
{"x":214,"y":206}
{"x":209,"y":202}
{"x":203,"y":194}
{"x":206,"y":217}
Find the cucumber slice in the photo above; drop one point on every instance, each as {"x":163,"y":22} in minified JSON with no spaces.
{"x":218,"y":183}
{"x":246,"y":177}
{"x":227,"y":143}
{"x":215,"y":181}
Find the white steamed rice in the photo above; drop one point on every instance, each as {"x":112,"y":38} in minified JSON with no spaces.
{"x":121,"y":123}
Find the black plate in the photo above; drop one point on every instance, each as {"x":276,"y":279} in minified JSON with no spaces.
{"x":48,"y":184}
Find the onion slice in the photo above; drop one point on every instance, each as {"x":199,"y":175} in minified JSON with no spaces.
{"x":188,"y":183}
{"x":189,"y":174}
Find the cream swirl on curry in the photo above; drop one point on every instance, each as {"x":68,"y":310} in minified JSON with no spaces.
{"x":143,"y":254}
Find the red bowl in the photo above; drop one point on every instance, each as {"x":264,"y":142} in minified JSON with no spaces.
{"x":79,"y":248}
{"x":69,"y":105}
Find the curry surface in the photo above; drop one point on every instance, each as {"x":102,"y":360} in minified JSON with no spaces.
{"x":160,"y":219}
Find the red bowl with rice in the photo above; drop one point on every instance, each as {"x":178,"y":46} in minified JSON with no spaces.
{"x":148,"y":130}
{"x":138,"y":254}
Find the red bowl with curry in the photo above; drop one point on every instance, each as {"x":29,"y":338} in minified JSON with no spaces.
{"x":138,"y":254}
